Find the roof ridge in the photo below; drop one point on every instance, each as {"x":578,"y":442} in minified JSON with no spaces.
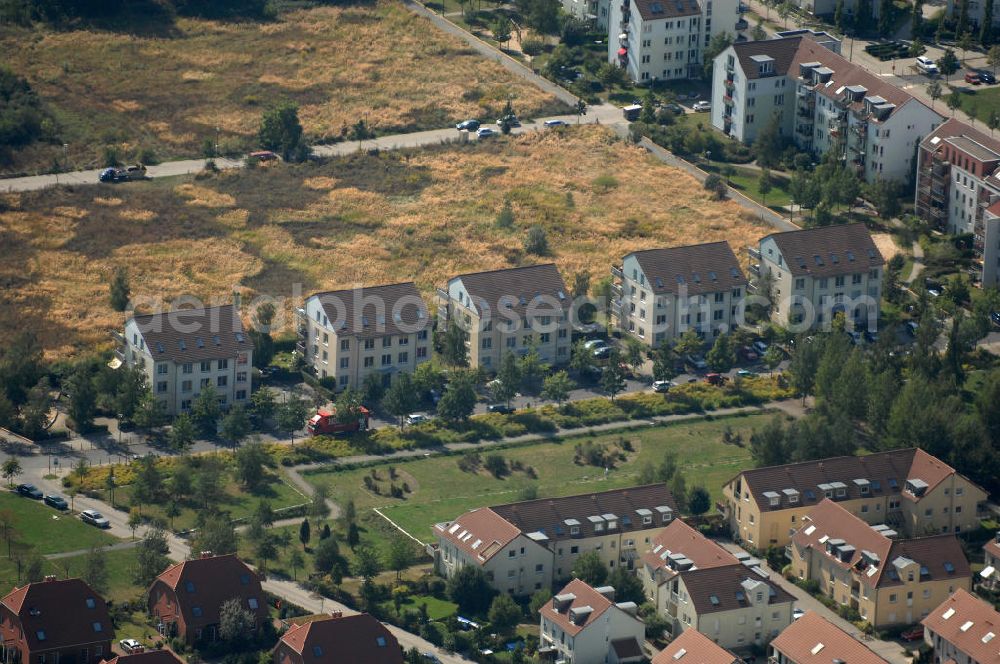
{"x":578,"y":495}
{"x":503,"y":269}
{"x":174,"y":311}
{"x":349,"y":290}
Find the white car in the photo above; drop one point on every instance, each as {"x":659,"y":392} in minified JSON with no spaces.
{"x":485,"y":132}
{"x":130,"y":645}
{"x":94,"y":518}
{"x":797,"y":613}
{"x":927,"y":66}
{"x":417,"y":418}
{"x":701,"y":106}
{"x":555,"y":123}
{"x":662,"y":385}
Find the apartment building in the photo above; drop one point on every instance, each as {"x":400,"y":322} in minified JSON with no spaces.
{"x":822,"y":102}
{"x":510,"y":311}
{"x":990,"y":574}
{"x":814,"y":640}
{"x":815,"y":273}
{"x":351,"y":334}
{"x":699,"y":586}
{"x":55,"y":621}
{"x":693,"y":647}
{"x":357,"y":639}
{"x":975,"y":11}
{"x":662,"y":40}
{"x":963,"y":629}
{"x":585,"y":625}
{"x":889,"y":581}
{"x":958,"y":190}
{"x":593,"y":12}
{"x":185,"y":350}
{"x":908,"y":489}
{"x":658,"y":294}
{"x":527,"y":546}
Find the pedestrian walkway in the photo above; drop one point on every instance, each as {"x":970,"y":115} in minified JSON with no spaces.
{"x":81,"y":552}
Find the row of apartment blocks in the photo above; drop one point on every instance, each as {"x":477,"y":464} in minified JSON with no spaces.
{"x":815,"y":273}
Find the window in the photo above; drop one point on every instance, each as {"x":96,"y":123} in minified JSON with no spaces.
{"x":196,"y":611}
{"x":344,"y":380}
{"x":222,"y":381}
{"x":187,"y":368}
{"x":241,"y":395}
{"x":386,"y":360}
{"x":91,"y":603}
{"x":161,"y":368}
{"x":252,"y":603}
{"x":326,"y":338}
{"x":421,"y":352}
{"x":206,"y":366}
{"x":387,"y":342}
{"x":511,"y":342}
{"x":369,"y":362}
{"x":422,"y":335}
{"x":98,"y":627}
{"x":185,"y":386}
{"x":369,"y":344}
{"x":161,"y":387}
{"x":222,"y":364}
{"x":241,"y":377}
{"x":345,"y":344}
{"x":403,"y":358}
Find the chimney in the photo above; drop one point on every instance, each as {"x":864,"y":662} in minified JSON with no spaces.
{"x":237,"y":301}
{"x":205,"y":554}
{"x":50,"y":577}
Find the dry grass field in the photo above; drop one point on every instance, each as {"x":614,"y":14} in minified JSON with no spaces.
{"x":422,"y":215}
{"x":168,"y":89}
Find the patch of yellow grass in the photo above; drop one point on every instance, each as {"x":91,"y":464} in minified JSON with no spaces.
{"x":321,"y":183}
{"x":109,"y":201}
{"x":126,"y":105}
{"x":886,"y":245}
{"x":138,"y":215}
{"x":71,"y":212}
{"x":204,"y":197}
{"x":195,"y":75}
{"x":234,"y":218}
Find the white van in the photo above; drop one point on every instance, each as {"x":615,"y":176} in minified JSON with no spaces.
{"x":927,"y":66}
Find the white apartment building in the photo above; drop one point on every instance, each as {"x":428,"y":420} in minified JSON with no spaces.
{"x":185,"y":350}
{"x":699,"y":586}
{"x":349,"y":334}
{"x":823,"y":102}
{"x":661,"y":40}
{"x":595,"y":12}
{"x":510,"y":311}
{"x":958,"y":190}
{"x":584,"y":625}
{"x":818,"y":272}
{"x":661,"y":293}
{"x":527,"y":546}
{"x":963,"y":629}
{"x":990,"y":574}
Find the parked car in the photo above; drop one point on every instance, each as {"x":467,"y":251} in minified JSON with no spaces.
{"x":662,"y":385}
{"x":675,"y":108}
{"x":760,"y":347}
{"x":94,"y":518}
{"x":913,"y":634}
{"x":29,"y":491}
{"x":995,"y":317}
{"x":696,"y":361}
{"x":555,"y":123}
{"x":264,"y":155}
{"x":972,"y":78}
{"x":511,"y":121}
{"x":927,"y":66}
{"x":746,"y":373}
{"x":871,"y":337}
{"x":468,"y":125}
{"x":55,"y":501}
{"x":986,"y":76}
{"x":431,"y":657}
{"x":136,"y":172}
{"x":417,"y":418}
{"x":501,"y":408}
{"x":130,"y":645}
{"x":701,"y":106}
{"x":748,"y":354}
{"x":715,"y":379}
{"x":486,"y":132}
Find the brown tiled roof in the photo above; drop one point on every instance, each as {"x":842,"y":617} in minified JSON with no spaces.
{"x":813,"y":640}
{"x":980,"y":640}
{"x":60,"y":614}
{"x":693,"y":647}
{"x":782,"y":50}
{"x":826,"y":251}
{"x":680,"y":538}
{"x":375,"y":310}
{"x":357,"y":639}
{"x":549,"y":515}
{"x":192,"y":335}
{"x":701,"y":268}
{"x":653,"y":10}
{"x":209,"y":582}
{"x":993,"y":547}
{"x":886,"y":473}
{"x":162,"y":656}
{"x":584,"y":596}
{"x":847,"y":73}
{"x":952,"y":128}
{"x":481,"y":533}
{"x":729,"y":586}
{"x":829,"y":525}
{"x":519,"y":287}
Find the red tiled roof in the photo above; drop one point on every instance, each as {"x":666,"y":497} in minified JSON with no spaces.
{"x":681,"y":538}
{"x":481,"y":533}
{"x":929,"y":468}
{"x":60,"y":614}
{"x":652,"y":10}
{"x":729,"y":588}
{"x":585,"y":596}
{"x":357,"y":639}
{"x":693,"y":647}
{"x":207,"y":583}
{"x":993,"y":547}
{"x":980,"y":640}
{"x":813,"y":640}
{"x":162,"y":656}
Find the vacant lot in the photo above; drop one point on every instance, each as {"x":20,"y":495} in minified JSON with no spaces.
{"x":423,"y":215}
{"x":440,"y":490}
{"x":169,"y":88}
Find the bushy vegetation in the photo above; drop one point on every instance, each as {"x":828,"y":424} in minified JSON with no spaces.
{"x":23,"y":118}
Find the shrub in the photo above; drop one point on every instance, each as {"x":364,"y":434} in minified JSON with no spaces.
{"x":532,"y":47}
{"x":537,"y":242}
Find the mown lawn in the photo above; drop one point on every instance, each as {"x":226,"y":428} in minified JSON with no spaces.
{"x":33,"y":525}
{"x":121,"y":565}
{"x":440,"y":490}
{"x":981,"y":101}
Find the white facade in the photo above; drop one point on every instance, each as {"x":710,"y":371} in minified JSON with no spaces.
{"x":659,"y":40}
{"x":580,"y":625}
{"x":742,"y":107}
{"x":590,"y":11}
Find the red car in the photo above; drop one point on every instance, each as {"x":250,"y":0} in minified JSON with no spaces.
{"x":972,"y":77}
{"x":913,"y":634}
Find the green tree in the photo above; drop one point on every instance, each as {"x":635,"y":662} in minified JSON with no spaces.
{"x":327,"y":559}
{"x":885,"y":196}
{"x":538,"y":600}
{"x":501,"y":29}
{"x":885,"y":16}
{"x":281,"y":131}
{"x":986,"y":27}
{"x":678,"y":488}
{"x":205,"y":412}
{"x":663,"y":362}
{"x":504,"y":614}
{"x":295,"y":561}
{"x":803,"y":367}
{"x":291,"y":415}
{"x":758,"y":33}
{"x":934,"y":91}
{"x":305,"y":532}
{"x":689,"y":343}
{"x":216,"y":535}
{"x":773,"y":357}
{"x":764,"y":185}
{"x":582,"y":359}
{"x":948,"y":63}
{"x":235,"y":425}
{"x":628,"y":587}
{"x":119,"y":288}
{"x":964,"y":42}
{"x":236,"y":624}
{"x":11,"y":468}
{"x":613,"y":378}
{"x":263,"y":403}
{"x":590,"y":569}
{"x":556,"y":387}
{"x":453,"y":349}
{"x":769,"y":144}
{"x":634,"y":354}
{"x":182,"y":433}
{"x":954,"y":101}
{"x":505,"y":217}
{"x":993,"y":57}
{"x":469,"y":588}
{"x":134,"y":521}
{"x":400,"y":555}
{"x":504,"y":388}
{"x":367,"y":564}
{"x":699,"y":500}
{"x":151,"y":556}
{"x":459,"y":399}
{"x":536,"y":242}
{"x":721,"y":357}
{"x":768,"y":446}
{"x":250,"y":465}
{"x":260,"y":334}
{"x":147,"y":486}
{"x":95,"y":569}
{"x":401,"y":398}
{"x":318,"y":507}
{"x":532,"y":371}
{"x":717,"y":45}
{"x":348,"y":406}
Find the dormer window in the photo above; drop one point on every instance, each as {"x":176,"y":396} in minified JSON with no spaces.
{"x":40,"y":635}
{"x":98,"y":627}
{"x":574,"y":530}
{"x":91,"y":603}
{"x":189,"y":586}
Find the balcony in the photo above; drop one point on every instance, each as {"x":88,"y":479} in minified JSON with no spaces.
{"x":616,"y":289}
{"x":300,"y":347}
{"x":860,"y":129}
{"x":730,"y":85}
{"x":742,"y":24}
{"x":755,"y":269}
{"x":616,"y":272}
{"x":753,"y":253}
{"x":727,"y":99}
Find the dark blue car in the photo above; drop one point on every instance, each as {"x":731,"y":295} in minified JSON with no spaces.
{"x":29,"y":491}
